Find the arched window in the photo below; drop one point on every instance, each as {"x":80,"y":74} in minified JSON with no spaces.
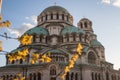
{"x":7,"y":77}
{"x":95,"y":76}
{"x":74,"y":36}
{"x":57,"y":16}
{"x":107,"y":76}
{"x":67,"y":37}
{"x":52,"y":70}
{"x":85,"y":24}
{"x":21,"y":61}
{"x":91,"y":58}
{"x":99,"y":77}
{"x":34,"y":76}
{"x":92,"y":76}
{"x":39,"y":76}
{"x":3,"y":77}
{"x":72,"y":76}
{"x":34,"y":37}
{"x":76,"y":76}
{"x":13,"y":61}
{"x":46,"y":17}
{"x":62,"y":16}
{"x":30,"y":76}
{"x":41,"y":37}
{"x":11,"y":77}
{"x":67,"y":76}
{"x":51,"y":16}
{"x":81,"y":25}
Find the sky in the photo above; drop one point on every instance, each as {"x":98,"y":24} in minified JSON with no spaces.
{"x":104,"y":14}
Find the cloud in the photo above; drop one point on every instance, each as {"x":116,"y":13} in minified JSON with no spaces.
{"x":24,"y":27}
{"x":32,"y":18}
{"x":106,"y":1}
{"x":21,"y":30}
{"x":115,"y":3}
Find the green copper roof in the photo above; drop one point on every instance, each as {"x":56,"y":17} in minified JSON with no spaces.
{"x":55,"y":51}
{"x":55,"y":8}
{"x":95,"y":43}
{"x":37,"y":30}
{"x":71,"y":29}
{"x":85,"y":49}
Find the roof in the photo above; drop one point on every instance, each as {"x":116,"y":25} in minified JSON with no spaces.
{"x":71,"y":29}
{"x":55,"y":51}
{"x":55,"y":8}
{"x":85,"y":49}
{"x":37,"y":30}
{"x":95,"y":43}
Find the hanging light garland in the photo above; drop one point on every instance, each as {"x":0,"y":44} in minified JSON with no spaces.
{"x":72,"y":61}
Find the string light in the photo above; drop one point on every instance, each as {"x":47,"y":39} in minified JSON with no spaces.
{"x":72,"y":61}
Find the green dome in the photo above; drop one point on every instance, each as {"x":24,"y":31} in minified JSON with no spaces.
{"x":55,"y":8}
{"x":71,"y":29}
{"x":95,"y":43}
{"x":37,"y":30}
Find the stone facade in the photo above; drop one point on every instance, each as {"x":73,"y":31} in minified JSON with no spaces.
{"x":55,"y":33}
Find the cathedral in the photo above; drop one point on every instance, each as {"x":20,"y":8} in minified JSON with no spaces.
{"x":55,"y":33}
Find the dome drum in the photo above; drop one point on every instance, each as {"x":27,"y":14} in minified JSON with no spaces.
{"x":51,"y":15}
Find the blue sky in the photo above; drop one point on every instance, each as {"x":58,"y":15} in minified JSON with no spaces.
{"x":105,"y":15}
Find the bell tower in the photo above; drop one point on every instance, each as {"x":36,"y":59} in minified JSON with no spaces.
{"x":86,"y":25}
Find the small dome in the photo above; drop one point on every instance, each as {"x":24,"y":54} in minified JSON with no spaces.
{"x":71,"y":29}
{"x":84,"y":19}
{"x":55,"y":8}
{"x":96,"y":43}
{"x":37,"y":30}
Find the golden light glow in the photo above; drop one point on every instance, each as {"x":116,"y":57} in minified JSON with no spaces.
{"x":18,"y":55}
{"x":45,"y":58}
{"x":35,"y":58}
{"x":26,"y":39}
{"x":0,"y":45}
{"x":5,"y":23}
{"x":72,"y":61}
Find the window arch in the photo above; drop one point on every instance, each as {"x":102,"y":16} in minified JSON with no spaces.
{"x":81,"y":25}
{"x":21,"y":61}
{"x":34,"y":76}
{"x":85,"y":24}
{"x":92,"y":76}
{"x":51,"y":16}
{"x":107,"y":76}
{"x":57,"y":16}
{"x":30,"y":75}
{"x":52,"y":70}
{"x":13,"y":61}
{"x":67,"y":76}
{"x":91,"y":58}
{"x":76,"y":76}
{"x":46,"y":17}
{"x":62,"y":16}
{"x":95,"y":76}
{"x":72,"y":76}
{"x":39,"y":76}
